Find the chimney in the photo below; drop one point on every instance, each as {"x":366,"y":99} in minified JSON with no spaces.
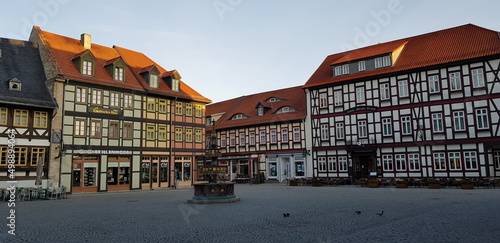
{"x":86,"y":40}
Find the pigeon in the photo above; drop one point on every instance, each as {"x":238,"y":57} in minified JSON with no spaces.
{"x":357,"y":212}
{"x":286,"y":215}
{"x":380,"y":213}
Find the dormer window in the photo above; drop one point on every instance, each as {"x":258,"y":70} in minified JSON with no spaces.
{"x":119,"y":74}
{"x":239,"y":116}
{"x":384,"y":61}
{"x":153,"y":80}
{"x":345,"y":69}
{"x":338,"y":70}
{"x":87,"y":68}
{"x":260,"y":111}
{"x":175,"y":84}
{"x":286,"y":109}
{"x":15,"y":84}
{"x":361,"y":66}
{"x":273,"y":99}
{"x":84,"y":61}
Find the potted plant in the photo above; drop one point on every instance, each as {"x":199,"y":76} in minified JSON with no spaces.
{"x":293,"y":182}
{"x":401,"y":184}
{"x":467,"y":184}
{"x":433,"y":184}
{"x":373,"y":183}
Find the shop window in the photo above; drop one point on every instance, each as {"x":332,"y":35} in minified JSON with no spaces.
{"x":272,"y":167}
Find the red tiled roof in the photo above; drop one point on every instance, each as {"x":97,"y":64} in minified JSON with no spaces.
{"x":294,"y":97}
{"x":139,"y":63}
{"x":64,"y":50}
{"x":440,"y":47}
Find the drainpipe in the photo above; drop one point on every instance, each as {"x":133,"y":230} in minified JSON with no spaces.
{"x":172,"y":164}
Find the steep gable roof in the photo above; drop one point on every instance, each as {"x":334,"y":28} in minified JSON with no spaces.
{"x":440,"y":47}
{"x":293,"y":97}
{"x":140,"y":63}
{"x":20,"y":62}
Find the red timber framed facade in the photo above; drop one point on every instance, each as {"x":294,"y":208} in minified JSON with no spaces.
{"x":105,"y":121}
{"x":424,"y":107}
{"x":261,"y":134}
{"x":26,"y":107}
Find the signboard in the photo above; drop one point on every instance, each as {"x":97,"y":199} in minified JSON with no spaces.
{"x":361,"y":108}
{"x":101,"y":110}
{"x":101,"y":151}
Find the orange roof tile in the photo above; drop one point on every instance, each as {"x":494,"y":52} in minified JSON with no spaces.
{"x":294,"y":97}
{"x":440,"y":47}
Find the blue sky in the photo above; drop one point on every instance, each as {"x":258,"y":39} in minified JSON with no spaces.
{"x":229,"y":48}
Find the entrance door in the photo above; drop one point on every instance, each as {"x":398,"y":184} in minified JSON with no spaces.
{"x":286,"y":172}
{"x":363,"y":165}
{"x":85,"y":173}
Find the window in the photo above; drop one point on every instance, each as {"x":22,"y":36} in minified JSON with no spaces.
{"x":162,"y":133}
{"x":239,"y":116}
{"x":470,"y":160}
{"x":20,"y":118}
{"x":434,"y":84}
{"x":296,"y":134}
{"x":454,"y":161}
{"x":251,"y":138}
{"x":378,"y":62}
{"x":360,"y":94}
{"x":345,"y":69}
{"x":284,"y":135}
{"x":384,"y":91}
{"x":80,"y":128}
{"x":198,"y":135}
{"x":189,"y":109}
{"x":162,"y":106}
{"x":119,"y":73}
{"x":128,"y":130}
{"x":362,"y":133}
{"x":285,"y":109}
{"x":128,"y":101}
{"x":87,"y":68}
{"x":40,"y":119}
{"x":150,"y":132}
{"x":439,"y":161}
{"x":232,"y":140}
{"x":382,"y":61}
{"x":340,"y":130}
{"x":482,"y":119}
{"x":3,"y":116}
{"x":406,"y":125}
{"x":222,"y":140}
{"x":262,"y":137}
{"x":400,"y":162}
{"x":178,"y":135}
{"x":175,"y":84}
{"x":323,"y":102}
{"x":189,"y":135}
{"x":151,"y":104}
{"x":324,"y":132}
{"x":403,"y":88}
{"x":37,"y":155}
{"x":178,"y":108}
{"x":496,"y":159}
{"x":459,"y":120}
{"x":81,"y":95}
{"x":342,"y":163}
{"x":114,"y":130}
{"x":242,"y":139}
{"x":387,"y":126}
{"x":321,"y":164}
{"x":96,"y":97}
{"x":198,"y":110}
{"x":332,"y":164}
{"x":95,"y":129}
{"x":21,"y":155}
{"x":477,"y":78}
{"x":153,"y":80}
{"x":361,"y":66}
{"x":387,"y":162}
{"x":437,"y":122}
{"x":455,"y":83}
{"x":338,"y":70}
{"x":414,"y":162}
{"x":260,"y":111}
{"x":114,"y":99}
{"x":273,"y":136}
{"x":338,"y":97}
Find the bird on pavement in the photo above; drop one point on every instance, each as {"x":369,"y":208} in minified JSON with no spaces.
{"x":286,"y":215}
{"x":357,"y":212}
{"x":380,"y":213}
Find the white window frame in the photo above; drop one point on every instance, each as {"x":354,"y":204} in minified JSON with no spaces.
{"x":437,"y":122}
{"x":362,"y":129}
{"x":386,"y":61}
{"x":242,"y":138}
{"x":434,"y":84}
{"x":345,"y":69}
{"x":337,"y":94}
{"x":251,"y":138}
{"x":387,"y":162}
{"x":414,"y":162}
{"x":403,"y":88}
{"x":114,"y":99}
{"x":322,"y":164}
{"x":406,"y":125}
{"x":496,"y":159}
{"x":470,"y":160}
{"x":153,"y":80}
{"x":87,"y":67}
{"x":361,"y":66}
{"x":262,"y":137}
{"x":128,"y":101}
{"x":477,"y":78}
{"x":342,"y":163}
{"x":482,"y":118}
{"x":339,"y":126}
{"x":119,"y":73}
{"x":400,"y":160}
{"x":273,"y":134}
{"x":324,"y":132}
{"x":360,"y":95}
{"x":338,"y":70}
{"x":332,"y":164}
{"x":455,"y":81}
{"x":387,"y":126}
{"x":97,"y":97}
{"x":439,"y":161}
{"x":454,"y":161}
{"x":459,"y":121}
{"x":385,"y":92}
{"x":284,"y":135}
{"x":297,"y":134}
{"x":323,"y":100}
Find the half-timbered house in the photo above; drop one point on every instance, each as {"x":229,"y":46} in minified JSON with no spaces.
{"x":26,"y":108}
{"x":425,"y":106}
{"x":261,"y":133}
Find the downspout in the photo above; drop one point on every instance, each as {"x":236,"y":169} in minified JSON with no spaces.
{"x":172,"y":164}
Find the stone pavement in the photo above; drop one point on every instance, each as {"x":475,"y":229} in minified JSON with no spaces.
{"x":317,"y":214}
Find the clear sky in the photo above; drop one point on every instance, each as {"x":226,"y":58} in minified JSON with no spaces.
{"x":229,"y":48}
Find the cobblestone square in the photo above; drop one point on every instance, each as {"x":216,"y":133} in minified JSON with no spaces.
{"x":317,"y":214}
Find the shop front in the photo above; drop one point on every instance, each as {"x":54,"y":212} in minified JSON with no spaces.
{"x":282,"y":167}
{"x":118,"y":173}
{"x":183,"y":171}
{"x":85,"y":173}
{"x":154,"y":172}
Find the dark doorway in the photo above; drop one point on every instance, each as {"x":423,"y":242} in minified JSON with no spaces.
{"x":362,"y":166}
